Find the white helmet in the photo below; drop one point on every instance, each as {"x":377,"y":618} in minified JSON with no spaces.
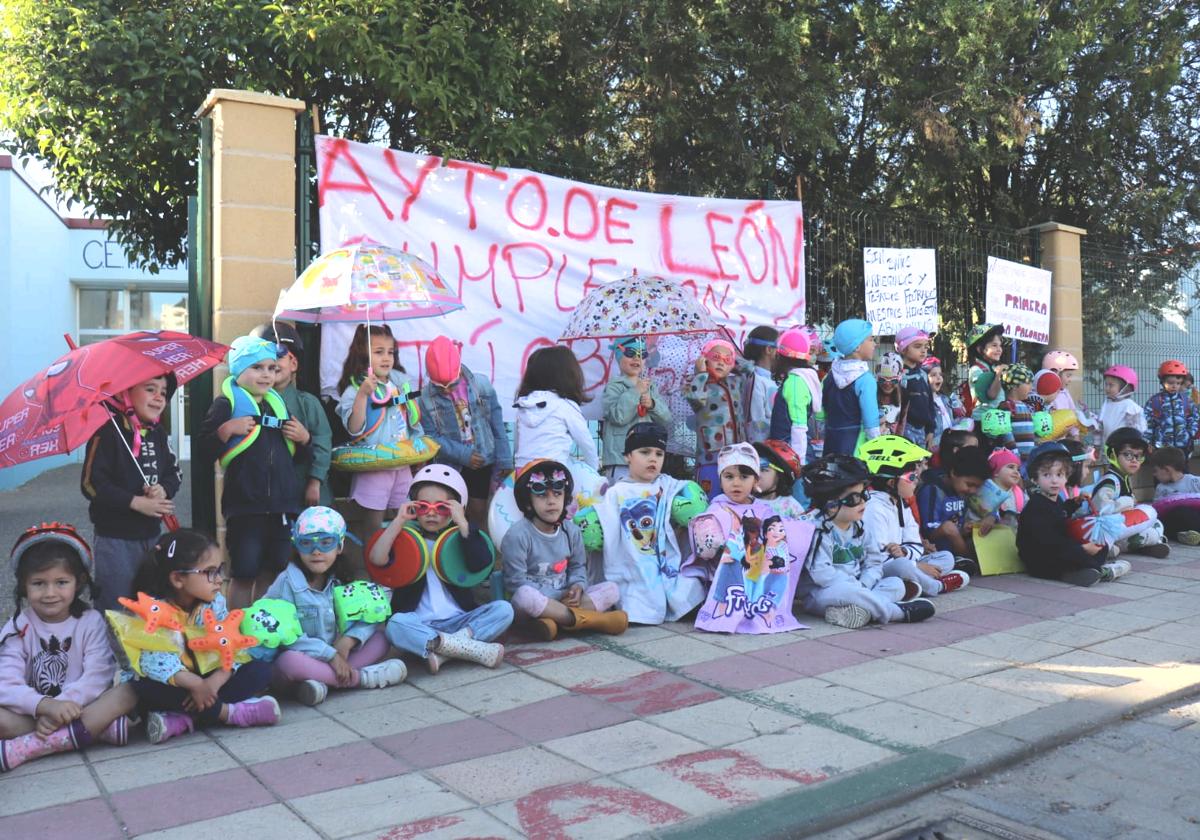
{"x":447,"y":477}
{"x":1059,"y":360}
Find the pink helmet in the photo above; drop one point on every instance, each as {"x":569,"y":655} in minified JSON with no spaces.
{"x":794,"y":344}
{"x":908,"y":335}
{"x":444,"y":476}
{"x":815,"y":345}
{"x":1125,"y":374}
{"x":443,"y":360}
{"x":1059,"y":360}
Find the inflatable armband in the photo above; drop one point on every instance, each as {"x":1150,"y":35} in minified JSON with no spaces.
{"x":688,"y":503}
{"x":361,"y":600}
{"x":223,"y":638}
{"x":408,"y":563}
{"x":273,"y":622}
{"x":588,"y":521}
{"x":154,"y":612}
{"x":450,"y":560}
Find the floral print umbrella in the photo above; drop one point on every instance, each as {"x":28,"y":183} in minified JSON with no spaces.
{"x":638,"y":306}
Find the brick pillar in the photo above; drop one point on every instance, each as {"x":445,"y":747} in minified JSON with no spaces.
{"x":1060,"y":255}
{"x":253,"y":211}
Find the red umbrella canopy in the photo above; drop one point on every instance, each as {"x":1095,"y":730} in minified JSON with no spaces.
{"x":59,"y":408}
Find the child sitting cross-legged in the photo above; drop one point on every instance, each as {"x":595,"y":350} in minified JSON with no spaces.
{"x":434,"y":619}
{"x":328,"y":654}
{"x":841,"y":580}
{"x":545,"y":566}
{"x":1176,"y":495}
{"x":893,"y":536}
{"x":1043,"y":542}
{"x":942,"y":499}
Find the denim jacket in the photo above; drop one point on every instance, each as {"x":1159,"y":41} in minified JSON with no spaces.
{"x":314,"y":608}
{"x":441,"y":424}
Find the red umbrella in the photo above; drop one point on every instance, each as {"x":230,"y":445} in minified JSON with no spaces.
{"x":60,"y":408}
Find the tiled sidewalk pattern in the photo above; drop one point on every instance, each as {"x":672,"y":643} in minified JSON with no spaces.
{"x":611,"y":736}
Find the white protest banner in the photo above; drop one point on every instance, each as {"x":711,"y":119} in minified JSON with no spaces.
{"x":901,"y":288}
{"x":524,"y":248}
{"x":1018,"y":296}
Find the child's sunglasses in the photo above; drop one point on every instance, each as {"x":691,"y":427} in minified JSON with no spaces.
{"x":540,"y":488}
{"x":633,"y":352}
{"x":852,"y":499}
{"x":431,"y":508}
{"x":312,"y":543}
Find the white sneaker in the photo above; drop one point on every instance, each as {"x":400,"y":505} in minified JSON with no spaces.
{"x":850,"y":616}
{"x":1115,"y":569}
{"x":312,"y":692}
{"x":382,"y":674}
{"x":461,"y":645}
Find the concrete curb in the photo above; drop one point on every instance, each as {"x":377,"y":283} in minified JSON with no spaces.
{"x":856,"y":795}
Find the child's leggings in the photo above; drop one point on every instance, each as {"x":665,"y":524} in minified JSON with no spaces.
{"x":293,"y":666}
{"x":907,"y":568}
{"x":880,"y":601}
{"x":530,"y":603}
{"x":248,"y":681}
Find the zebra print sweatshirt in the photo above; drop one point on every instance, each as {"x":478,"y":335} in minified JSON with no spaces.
{"x":71,"y":660}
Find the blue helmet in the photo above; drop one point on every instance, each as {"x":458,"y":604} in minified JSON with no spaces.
{"x":1041,"y":451}
{"x":850,"y":334}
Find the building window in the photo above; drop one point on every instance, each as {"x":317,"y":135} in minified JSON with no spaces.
{"x":104,"y":313}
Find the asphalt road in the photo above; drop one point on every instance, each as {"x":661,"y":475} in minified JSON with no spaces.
{"x":54,"y":495}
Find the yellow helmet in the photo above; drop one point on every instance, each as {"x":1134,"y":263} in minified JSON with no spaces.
{"x":890,"y":455}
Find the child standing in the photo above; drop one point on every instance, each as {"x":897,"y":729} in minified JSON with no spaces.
{"x":549,"y":419}
{"x":985,"y":348}
{"x":434,"y":619}
{"x":545,"y":567}
{"x":761,"y":348}
{"x":184,"y":571}
{"x":893,"y":537}
{"x":56,"y":665}
{"x":250,"y":431}
{"x":628,"y":399}
{"x":463,"y":416}
{"x":325,"y":656}
{"x":1120,"y":410}
{"x":715,"y":394}
{"x":1181,"y":522}
{"x":892,"y":409}
{"x":798,"y":400}
{"x":377,"y":407}
{"x":849,"y":392}
{"x":129,"y":477}
{"x":943,"y":414}
{"x":1047,"y":385}
{"x":1171,"y":418}
{"x":920,"y":423}
{"x":1065,"y":365}
{"x":1043,"y":543}
{"x":1018,"y":382}
{"x":841,"y":581}
{"x":312,"y":477}
{"x":778,"y":469}
{"x":942,"y":497}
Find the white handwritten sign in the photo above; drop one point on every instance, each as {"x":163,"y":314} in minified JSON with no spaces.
{"x":1018,"y":296}
{"x":901,"y":288}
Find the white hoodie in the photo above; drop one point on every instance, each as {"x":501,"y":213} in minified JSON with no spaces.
{"x":882,"y":525}
{"x":547,"y":426}
{"x":1121,"y":413}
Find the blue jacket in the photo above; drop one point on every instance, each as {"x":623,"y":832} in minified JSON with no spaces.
{"x":919,"y":397}
{"x":1171,"y":420}
{"x":314,"y":608}
{"x":441,"y":424}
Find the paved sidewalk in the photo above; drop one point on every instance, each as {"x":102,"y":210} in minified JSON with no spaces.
{"x":663,"y":730}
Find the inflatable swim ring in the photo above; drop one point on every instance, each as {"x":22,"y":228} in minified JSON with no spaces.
{"x":503,"y":512}
{"x":385,"y":456}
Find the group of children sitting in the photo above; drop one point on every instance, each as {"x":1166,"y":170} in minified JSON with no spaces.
{"x":848,"y":497}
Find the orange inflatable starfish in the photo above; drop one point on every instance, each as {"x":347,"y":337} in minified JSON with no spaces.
{"x":223,"y":637}
{"x":155,"y":613}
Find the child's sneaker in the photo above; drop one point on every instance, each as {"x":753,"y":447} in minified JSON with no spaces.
{"x":1188,"y":538}
{"x":1083,"y":577}
{"x":462,"y":645}
{"x":850,"y":616}
{"x":1157,"y":551}
{"x":917,"y":610}
{"x":1115,"y":569}
{"x":382,"y":674}
{"x":312,"y":692}
{"x":257,"y":711}
{"x":954,"y":580}
{"x":163,"y":726}
{"x":912,"y":589}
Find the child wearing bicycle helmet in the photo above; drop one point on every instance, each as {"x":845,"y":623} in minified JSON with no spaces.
{"x":840,"y":580}
{"x":545,"y":566}
{"x":1065,"y":365}
{"x":1126,"y":451}
{"x":798,"y":402}
{"x":1120,"y":410}
{"x":985,"y":349}
{"x":893,"y":535}
{"x":778,"y":468}
{"x":849,"y":393}
{"x":1018,"y":382}
{"x":920,"y":421}
{"x":1171,"y":417}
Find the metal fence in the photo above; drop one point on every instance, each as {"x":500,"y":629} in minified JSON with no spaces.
{"x":1138,"y":310}
{"x":834,"y":239}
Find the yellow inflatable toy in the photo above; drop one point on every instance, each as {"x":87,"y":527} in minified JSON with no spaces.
{"x":388,"y":456}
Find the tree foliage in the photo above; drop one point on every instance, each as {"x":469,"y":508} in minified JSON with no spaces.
{"x":1001,"y":112}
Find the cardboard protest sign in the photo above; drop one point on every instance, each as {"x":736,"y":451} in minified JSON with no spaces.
{"x":901,"y":288}
{"x":997,"y":552}
{"x":524,"y":248}
{"x":1018,"y":296}
{"x":757,"y":570}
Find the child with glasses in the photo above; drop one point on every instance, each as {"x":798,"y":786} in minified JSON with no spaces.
{"x":841,"y":580}
{"x":179,"y":687}
{"x":545,"y":566}
{"x":434,"y":618}
{"x":629,"y":398}
{"x":1126,"y":451}
{"x":329,"y":654}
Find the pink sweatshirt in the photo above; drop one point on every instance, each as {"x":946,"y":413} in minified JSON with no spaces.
{"x":71,"y":660}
